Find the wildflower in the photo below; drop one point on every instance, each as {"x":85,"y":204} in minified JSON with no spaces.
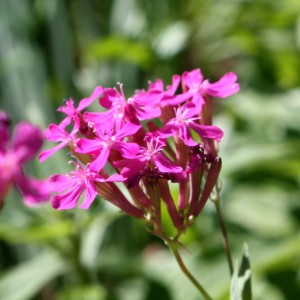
{"x":109,"y":135}
{"x":154,"y":137}
{"x":142,"y":105}
{"x":194,"y":82}
{"x":15,"y":152}
{"x":74,"y":184}
{"x":72,"y":113}
{"x":84,"y":180}
{"x":150,"y":163}
{"x":56,"y":133}
{"x":184,"y":120}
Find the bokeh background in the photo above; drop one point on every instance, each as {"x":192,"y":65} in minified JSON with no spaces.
{"x":56,"y":49}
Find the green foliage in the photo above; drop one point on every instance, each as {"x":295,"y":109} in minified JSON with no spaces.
{"x":241,"y":279}
{"x":59,"y":49}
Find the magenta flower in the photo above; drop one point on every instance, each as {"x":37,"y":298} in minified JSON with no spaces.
{"x":142,"y":105}
{"x":14,"y":154}
{"x":72,"y":113}
{"x":147,"y":140}
{"x":109,"y":135}
{"x":150,"y":161}
{"x":198,"y":87}
{"x":57,"y":133}
{"x":184,"y":121}
{"x":74,"y":184}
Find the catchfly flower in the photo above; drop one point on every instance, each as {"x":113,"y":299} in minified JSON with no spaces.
{"x":136,"y":150}
{"x":160,"y":135}
{"x":15,"y":152}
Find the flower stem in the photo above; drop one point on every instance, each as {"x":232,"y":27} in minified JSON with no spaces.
{"x":173,"y":247}
{"x":224,"y":232}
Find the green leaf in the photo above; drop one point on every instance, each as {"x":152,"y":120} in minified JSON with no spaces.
{"x":25,"y":280}
{"x":241,"y":280}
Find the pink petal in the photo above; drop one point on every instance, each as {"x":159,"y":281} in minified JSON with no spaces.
{"x":111,"y":95}
{"x":185,"y":135}
{"x":208,"y":132}
{"x":126,"y":130}
{"x":165,"y":165}
{"x":97,"y":117}
{"x":89,"y":146}
{"x":171,"y":89}
{"x":90,"y":195}
{"x":224,"y":87}
{"x":167,"y":130}
{"x":61,"y":182}
{"x":67,"y":200}
{"x":27,"y":141}
{"x":34,"y":191}
{"x":85,"y":102}
{"x":44,"y":155}
{"x":128,"y":150}
{"x":192,"y":79}
{"x":55,"y":133}
{"x":101,"y":160}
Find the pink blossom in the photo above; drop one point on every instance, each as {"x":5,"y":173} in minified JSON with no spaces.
{"x":184,"y":121}
{"x":198,"y":87}
{"x":148,"y":139}
{"x":109,"y":135}
{"x":14,"y":154}
{"x":149,"y":162}
{"x":73,"y":113}
{"x":57,"y":133}
{"x":73,"y":185}
{"x":142,"y":105}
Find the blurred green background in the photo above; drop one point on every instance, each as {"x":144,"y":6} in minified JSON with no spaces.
{"x":55,"y":49}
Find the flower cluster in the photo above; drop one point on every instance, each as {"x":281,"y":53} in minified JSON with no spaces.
{"x":15,"y":151}
{"x":156,"y":136}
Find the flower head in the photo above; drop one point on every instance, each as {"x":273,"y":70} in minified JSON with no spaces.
{"x":73,"y":185}
{"x":147,"y":140}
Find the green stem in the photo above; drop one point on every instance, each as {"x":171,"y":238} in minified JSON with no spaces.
{"x":224,"y":233}
{"x":173,"y":247}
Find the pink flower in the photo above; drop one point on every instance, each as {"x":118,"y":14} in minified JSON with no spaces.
{"x":74,"y":184}
{"x":14,"y":154}
{"x":198,"y":87}
{"x":149,"y":162}
{"x":142,"y":105}
{"x":73,"y":114}
{"x":84,"y":180}
{"x":184,"y":121}
{"x":169,"y":96}
{"x":109,"y":135}
{"x":57,"y":133}
{"x":155,"y":136}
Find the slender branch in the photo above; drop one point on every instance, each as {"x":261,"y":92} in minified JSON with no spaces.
{"x":216,"y":201}
{"x":173,"y":247}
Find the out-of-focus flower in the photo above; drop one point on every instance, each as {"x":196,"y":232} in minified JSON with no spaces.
{"x":15,"y":152}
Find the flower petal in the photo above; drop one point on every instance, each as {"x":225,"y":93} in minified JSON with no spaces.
{"x":27,"y":141}
{"x":67,"y":200}
{"x":44,"y":155}
{"x":165,"y":165}
{"x":34,"y":191}
{"x":224,"y":87}
{"x":208,"y":132}
{"x":128,"y":150}
{"x":90,"y":195}
{"x":85,"y":102}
